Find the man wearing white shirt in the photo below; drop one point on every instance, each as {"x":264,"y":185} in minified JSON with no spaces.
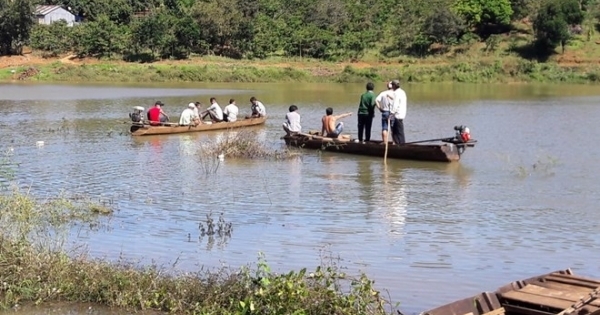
{"x":230,"y":111}
{"x":398,"y":110}
{"x":384,"y":102}
{"x":258,"y":109}
{"x":187,"y":116}
{"x":214,"y":111}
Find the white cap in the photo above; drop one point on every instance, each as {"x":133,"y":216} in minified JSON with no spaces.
{"x":140,"y":108}
{"x":389,"y":85}
{"x":192,"y":105}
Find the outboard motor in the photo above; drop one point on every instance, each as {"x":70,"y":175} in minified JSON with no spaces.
{"x":463,"y":134}
{"x":137,"y":116}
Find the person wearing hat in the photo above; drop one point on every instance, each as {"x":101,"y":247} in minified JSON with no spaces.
{"x":188,"y":117}
{"x":383,"y":101}
{"x":398,"y":113}
{"x":156,"y":115}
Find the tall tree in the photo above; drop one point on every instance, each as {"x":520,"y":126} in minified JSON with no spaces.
{"x":100,"y":38}
{"x":551,"y":25}
{"x":16,"y":21}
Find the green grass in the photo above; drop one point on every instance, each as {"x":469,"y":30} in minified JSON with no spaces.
{"x":504,"y":58}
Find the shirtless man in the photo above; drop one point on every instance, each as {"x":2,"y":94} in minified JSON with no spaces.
{"x":330,"y":129}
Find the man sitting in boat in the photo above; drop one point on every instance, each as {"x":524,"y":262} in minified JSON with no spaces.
{"x":258,"y":109}
{"x":330,"y":128}
{"x":188,"y":116}
{"x":292,"y":121}
{"x":214,"y":111}
{"x":230,"y":111}
{"x":156,"y":115}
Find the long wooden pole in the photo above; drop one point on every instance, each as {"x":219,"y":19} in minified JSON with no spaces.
{"x":387,"y":141}
{"x":429,"y":140}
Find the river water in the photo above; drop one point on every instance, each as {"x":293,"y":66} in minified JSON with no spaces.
{"x":523,"y":202}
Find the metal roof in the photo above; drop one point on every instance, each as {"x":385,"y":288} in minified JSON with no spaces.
{"x":45,"y":9}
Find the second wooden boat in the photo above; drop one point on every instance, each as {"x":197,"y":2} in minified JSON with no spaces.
{"x":449,"y":150}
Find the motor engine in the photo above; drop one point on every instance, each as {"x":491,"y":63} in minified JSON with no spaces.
{"x":137,"y":115}
{"x":463,"y":133}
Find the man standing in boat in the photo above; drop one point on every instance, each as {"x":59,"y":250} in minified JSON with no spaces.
{"x":398,"y":111}
{"x":156,"y":115}
{"x":383,"y":102}
{"x":366,"y":112}
{"x":330,"y":128}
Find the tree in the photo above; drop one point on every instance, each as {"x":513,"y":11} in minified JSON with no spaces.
{"x":551,"y":25}
{"x":443,"y":26}
{"x":480,"y":12}
{"x":53,"y":39}
{"x":100,"y":38}
{"x":151,"y":32}
{"x":16,"y":21}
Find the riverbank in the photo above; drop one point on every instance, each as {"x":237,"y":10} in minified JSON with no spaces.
{"x":214,"y":69}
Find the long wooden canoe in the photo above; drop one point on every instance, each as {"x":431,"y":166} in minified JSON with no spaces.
{"x":445,"y":152}
{"x":559,"y":292}
{"x":147,"y":130}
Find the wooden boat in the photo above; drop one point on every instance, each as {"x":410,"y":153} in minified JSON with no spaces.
{"x":450,"y":150}
{"x":138,"y":129}
{"x":560,"y":292}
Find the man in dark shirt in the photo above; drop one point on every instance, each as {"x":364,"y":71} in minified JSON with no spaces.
{"x":366,"y":112}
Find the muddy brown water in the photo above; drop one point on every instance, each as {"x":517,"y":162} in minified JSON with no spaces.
{"x":524,"y":201}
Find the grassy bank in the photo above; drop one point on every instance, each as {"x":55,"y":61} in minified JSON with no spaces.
{"x":35,"y":268}
{"x":489,"y":70}
{"x":502,"y":58}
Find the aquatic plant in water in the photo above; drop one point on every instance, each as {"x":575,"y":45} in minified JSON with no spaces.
{"x":245,"y":144}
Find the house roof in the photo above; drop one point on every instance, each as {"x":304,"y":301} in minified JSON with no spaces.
{"x":45,"y":9}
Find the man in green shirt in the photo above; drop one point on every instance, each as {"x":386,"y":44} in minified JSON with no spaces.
{"x":366,"y":112}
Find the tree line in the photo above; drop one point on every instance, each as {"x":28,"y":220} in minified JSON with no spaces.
{"x":146,"y":30}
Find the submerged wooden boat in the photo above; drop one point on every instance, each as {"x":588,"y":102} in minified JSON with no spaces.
{"x":448,"y":151}
{"x":560,"y":292}
{"x":137,"y":129}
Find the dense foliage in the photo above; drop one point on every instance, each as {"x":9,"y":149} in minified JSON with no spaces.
{"x":553,"y":21}
{"x":145,"y":30}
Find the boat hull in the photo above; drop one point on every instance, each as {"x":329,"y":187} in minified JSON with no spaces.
{"x":148,"y":130}
{"x":419,"y":152}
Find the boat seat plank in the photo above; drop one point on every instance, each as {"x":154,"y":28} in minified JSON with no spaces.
{"x":575,"y":278}
{"x":562,"y":286}
{"x":537,"y":299}
{"x":515,"y":309}
{"x":578,"y":282}
{"x":571,"y":296}
{"x":498,"y":311}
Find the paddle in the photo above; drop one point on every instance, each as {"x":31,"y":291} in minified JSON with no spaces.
{"x":429,"y":140}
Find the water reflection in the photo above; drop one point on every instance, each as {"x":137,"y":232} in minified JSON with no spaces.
{"x":395,"y":199}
